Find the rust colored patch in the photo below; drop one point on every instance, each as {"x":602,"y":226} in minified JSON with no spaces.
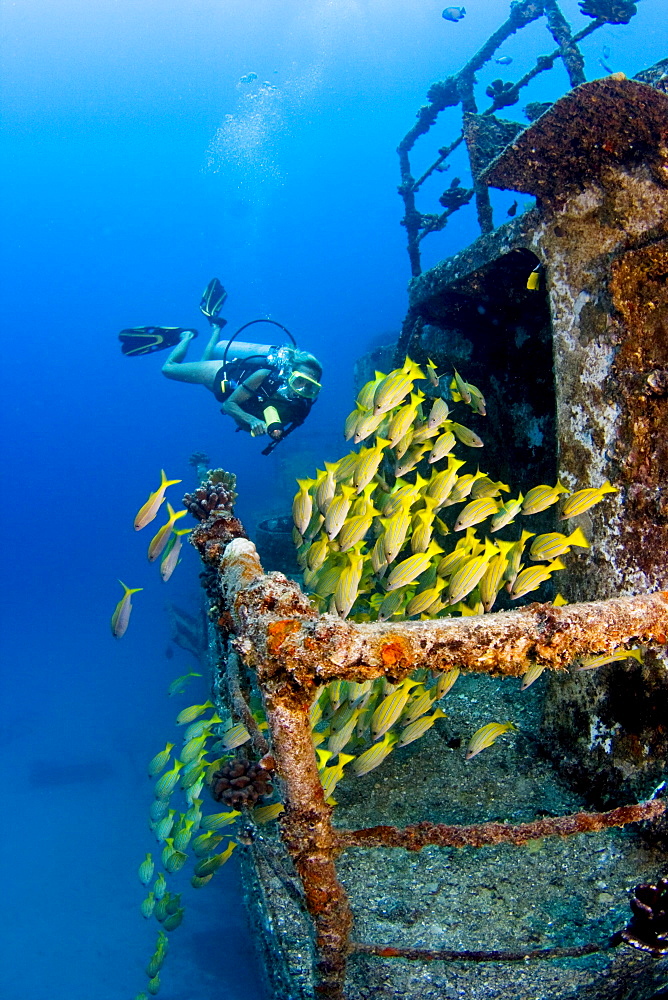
{"x":396,"y":652}
{"x":317,"y":900}
{"x":277,"y":633}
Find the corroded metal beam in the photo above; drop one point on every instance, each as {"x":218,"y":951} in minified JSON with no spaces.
{"x":289,"y":644}
{"x":273,"y":628}
{"x":415,"y":837}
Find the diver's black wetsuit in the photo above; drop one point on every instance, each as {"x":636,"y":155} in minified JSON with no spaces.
{"x":291,"y":409}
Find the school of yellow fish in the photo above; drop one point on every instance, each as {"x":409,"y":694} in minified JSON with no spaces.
{"x":188,"y":835}
{"x":166,"y":543}
{"x":376,"y":542}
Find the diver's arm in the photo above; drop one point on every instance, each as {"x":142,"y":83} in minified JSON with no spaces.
{"x":233,"y":406}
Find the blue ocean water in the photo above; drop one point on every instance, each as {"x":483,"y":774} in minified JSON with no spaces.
{"x":136,"y":166}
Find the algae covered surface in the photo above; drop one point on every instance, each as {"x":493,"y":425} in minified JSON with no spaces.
{"x":553,"y":892}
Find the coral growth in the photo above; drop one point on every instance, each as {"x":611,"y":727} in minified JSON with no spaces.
{"x":503,"y":94}
{"x":217,"y":492}
{"x":648,"y":929}
{"x":611,"y":11}
{"x":240,"y":784}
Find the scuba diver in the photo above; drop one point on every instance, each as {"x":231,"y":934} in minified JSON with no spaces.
{"x":266,"y":389}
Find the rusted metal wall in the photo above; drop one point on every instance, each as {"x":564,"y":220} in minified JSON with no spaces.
{"x":597,"y":162}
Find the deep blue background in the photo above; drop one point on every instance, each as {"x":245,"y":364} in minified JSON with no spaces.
{"x":135,"y":167}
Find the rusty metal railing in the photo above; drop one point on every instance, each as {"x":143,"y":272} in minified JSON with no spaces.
{"x":269,"y":629}
{"x":483,"y":134}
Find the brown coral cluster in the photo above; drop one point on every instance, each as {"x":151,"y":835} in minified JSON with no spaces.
{"x":612,"y":11}
{"x":240,"y":784}
{"x":648,"y":929}
{"x":217,"y":493}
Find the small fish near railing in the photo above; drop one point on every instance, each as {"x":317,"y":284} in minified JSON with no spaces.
{"x":273,"y":640}
{"x":484,"y":135}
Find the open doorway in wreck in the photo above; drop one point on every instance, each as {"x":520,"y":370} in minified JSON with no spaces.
{"x":497,"y":333}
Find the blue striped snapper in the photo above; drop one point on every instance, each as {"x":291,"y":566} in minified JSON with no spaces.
{"x":506,"y":513}
{"x":192,"y":750}
{"x":469,"y":575}
{"x":419,"y":727}
{"x":412,"y":457}
{"x":591,"y":662}
{"x":265,"y":814}
{"x":200,"y":727}
{"x":514,"y":558}
{"x":348,"y":583}
{"x":193,"y":712}
{"x":462,"y":487}
{"x":541,"y":497}
{"x":338,"y":509}
{"x":366,"y":424}
{"x":205,"y":844}
{"x":392,"y":604}
{"x":411,"y":568}
{"x":179,"y":685}
{"x":160,"y":886}
{"x":582,"y":500}
{"x":165,"y":785}
{"x":330,"y":776}
{"x":422,"y":701}
{"x":217,"y":821}
{"x":466,"y":435}
{"x":390,"y":708}
{"x":528,"y":579}
{"x":424,"y":599}
{"x":403,"y":419}
{"x":160,"y":761}
{"x":466,"y":392}
{"x":438,"y":414}
{"x":394,"y":534}
{"x":474,"y":512}
{"x":549,"y":546}
{"x":486,"y":487}
{"x":302,"y":506}
{"x":444,"y":682}
{"x":442,"y":482}
{"x":423,"y":526}
{"x":374,"y":756}
{"x":355,"y":529}
{"x":530,"y":675}
{"x":146,"y":869}
{"x":441,"y":447}
{"x":325,"y":488}
{"x":235,"y":737}
{"x":486,"y":736}
{"x":367,"y":464}
{"x":365,"y":395}
{"x":394,"y":387}
{"x":492,"y":579}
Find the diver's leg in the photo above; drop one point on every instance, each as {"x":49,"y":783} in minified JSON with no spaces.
{"x":199,"y":372}
{"x":241,"y":350}
{"x":208,"y":354}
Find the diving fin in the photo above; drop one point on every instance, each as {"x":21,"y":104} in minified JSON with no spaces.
{"x":212,"y":302}
{"x":147,"y":339}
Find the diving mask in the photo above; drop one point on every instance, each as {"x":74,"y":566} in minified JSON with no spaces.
{"x":304,"y":385}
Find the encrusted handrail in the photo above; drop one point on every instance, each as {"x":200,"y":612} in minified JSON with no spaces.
{"x":270,"y":624}
{"x":459,"y":89}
